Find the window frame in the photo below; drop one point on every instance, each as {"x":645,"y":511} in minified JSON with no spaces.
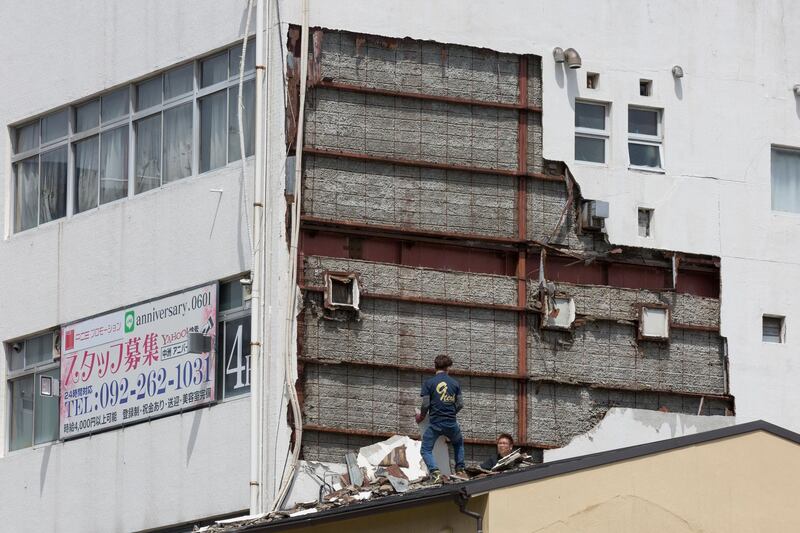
{"x":129,"y":121}
{"x":235,"y":313}
{"x":35,"y":370}
{"x":650,"y":213}
{"x":648,"y":140}
{"x":781,"y":332}
{"x":591,"y":133}
{"x":785,"y":149}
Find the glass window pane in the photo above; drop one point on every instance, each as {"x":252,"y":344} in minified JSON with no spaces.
{"x":21,"y":426}
{"x":249,"y":97}
{"x":16,"y":352}
{"x":114,"y":164}
{"x":26,"y":197}
{"x":87,"y":163}
{"x":178,"y":142}
{"x":644,"y":155}
{"x":28,"y":137}
{"x":87,"y":116}
{"x":786,"y":180}
{"x":53,"y":185}
{"x":590,"y":149}
{"x":230,"y":295}
{"x":54,"y":126}
{"x":236,"y":56}
{"x":148,"y":93}
{"x":590,"y":116}
{"x":178,"y":81}
{"x":213,"y":131}
{"x":115,"y":105}
{"x":148,"y":154}
{"x":772,"y":329}
{"x":642,"y":121}
{"x":46,"y":410}
{"x":214,"y":69}
{"x":236,"y":357}
{"x":39,"y":349}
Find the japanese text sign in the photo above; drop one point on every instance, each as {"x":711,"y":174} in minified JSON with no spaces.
{"x":134,"y":364}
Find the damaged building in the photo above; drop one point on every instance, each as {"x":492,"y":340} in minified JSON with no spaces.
{"x":432,"y":223}
{"x":235,"y":235}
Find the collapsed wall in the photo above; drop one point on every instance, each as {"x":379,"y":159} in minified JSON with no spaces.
{"x":423,"y":180}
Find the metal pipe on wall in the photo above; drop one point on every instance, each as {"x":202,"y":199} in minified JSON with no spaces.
{"x":256,"y":323}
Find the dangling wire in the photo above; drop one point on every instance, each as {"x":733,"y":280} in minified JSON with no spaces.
{"x":240,"y":111}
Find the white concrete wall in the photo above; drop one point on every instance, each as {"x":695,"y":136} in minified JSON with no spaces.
{"x":740,"y":60}
{"x":622,"y":427}
{"x":182,"y":467}
{"x":167,"y":471}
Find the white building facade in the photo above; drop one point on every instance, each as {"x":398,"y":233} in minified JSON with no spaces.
{"x":123,"y":185}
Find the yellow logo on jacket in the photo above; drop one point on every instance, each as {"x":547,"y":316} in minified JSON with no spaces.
{"x":441,"y":390}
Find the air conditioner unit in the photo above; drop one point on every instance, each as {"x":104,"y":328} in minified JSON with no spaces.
{"x":593,"y":215}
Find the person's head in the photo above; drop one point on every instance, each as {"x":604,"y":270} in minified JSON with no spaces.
{"x":442,"y":362}
{"x":505,"y":443}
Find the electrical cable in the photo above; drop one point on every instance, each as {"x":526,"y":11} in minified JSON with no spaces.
{"x":288,"y":476}
{"x":240,"y":110}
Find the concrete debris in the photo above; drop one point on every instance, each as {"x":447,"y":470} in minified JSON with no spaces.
{"x":399,"y":484}
{"x":304,"y":511}
{"x":371,"y":457}
{"x":353,"y":470}
{"x":381,"y":473}
{"x":396,"y":457}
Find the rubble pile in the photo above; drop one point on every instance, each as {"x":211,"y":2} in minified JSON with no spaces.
{"x":392,"y":466}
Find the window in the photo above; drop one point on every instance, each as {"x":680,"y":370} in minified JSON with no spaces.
{"x":645,"y":87}
{"x":591,"y":132}
{"x":592,"y":80}
{"x":773,"y":329}
{"x":233,"y":340}
{"x":785,"y":167}
{"x":644,"y":137}
{"x":33,"y":383}
{"x":40,"y":172}
{"x":133,"y":139}
{"x":645,"y":219}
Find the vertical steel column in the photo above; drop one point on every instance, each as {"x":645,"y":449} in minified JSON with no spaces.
{"x":522,"y":285}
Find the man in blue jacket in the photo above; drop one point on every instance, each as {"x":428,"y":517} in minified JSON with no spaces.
{"x":441,"y":398}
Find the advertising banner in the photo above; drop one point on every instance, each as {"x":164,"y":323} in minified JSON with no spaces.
{"x":134,"y":364}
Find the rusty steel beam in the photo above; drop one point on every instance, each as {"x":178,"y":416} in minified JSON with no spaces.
{"x":428,"y":164}
{"x":699,"y":260}
{"x":411,"y":368}
{"x":416,"y":436}
{"x":383,"y":229}
{"x":633,"y":321}
{"x":696,"y":327}
{"x":325,"y":84}
{"x":522,"y":234}
{"x":348,"y":228}
{"x":424,"y":300}
{"x":548,"y":380}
